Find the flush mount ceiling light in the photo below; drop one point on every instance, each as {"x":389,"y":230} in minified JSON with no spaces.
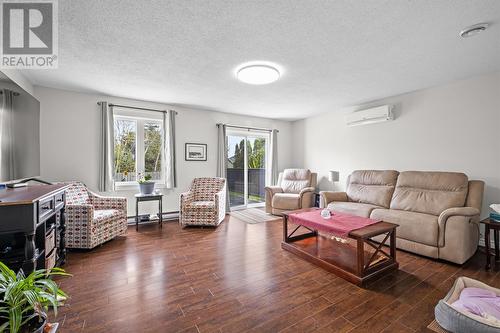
{"x":474,"y":30}
{"x":257,"y":73}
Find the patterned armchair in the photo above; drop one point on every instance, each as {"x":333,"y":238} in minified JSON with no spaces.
{"x":204,"y":203}
{"x":92,"y":219}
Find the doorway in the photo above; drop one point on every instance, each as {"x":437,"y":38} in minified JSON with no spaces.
{"x":247,"y":167}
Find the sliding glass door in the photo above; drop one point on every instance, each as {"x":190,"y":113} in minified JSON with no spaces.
{"x":236,"y":170}
{"x":247,"y":171}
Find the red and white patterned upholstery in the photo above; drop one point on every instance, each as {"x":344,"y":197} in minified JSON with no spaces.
{"x":92,"y":219}
{"x":205,"y":203}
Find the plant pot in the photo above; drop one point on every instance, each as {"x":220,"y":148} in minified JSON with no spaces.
{"x":41,"y":328}
{"x":34,"y":325}
{"x":147,"y":187}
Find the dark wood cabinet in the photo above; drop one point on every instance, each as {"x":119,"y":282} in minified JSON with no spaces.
{"x":32,"y":227}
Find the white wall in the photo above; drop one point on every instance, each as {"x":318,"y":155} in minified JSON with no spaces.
{"x":450,"y":128}
{"x":69,"y":141}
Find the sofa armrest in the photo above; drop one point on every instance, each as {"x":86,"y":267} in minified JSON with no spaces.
{"x":76,"y":215}
{"x":184,"y":199}
{"x":305,"y":190}
{"x":102,"y":202}
{"x":272,"y":190}
{"x":220,"y":203}
{"x":187,"y":197}
{"x":466,"y":214}
{"x":325,"y":197}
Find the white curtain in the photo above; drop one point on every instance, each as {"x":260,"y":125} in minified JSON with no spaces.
{"x":222,"y":157}
{"x":6,"y":137}
{"x":274,"y":157}
{"x":169,"y":158}
{"x":106,"y":167}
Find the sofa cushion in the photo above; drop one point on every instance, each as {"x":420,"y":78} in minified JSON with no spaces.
{"x":105,"y":214}
{"x":352,"y":208}
{"x":417,"y":227}
{"x":429,"y":192}
{"x":294,"y":180}
{"x":287,"y":201}
{"x":372,"y":186}
{"x":201,"y":205}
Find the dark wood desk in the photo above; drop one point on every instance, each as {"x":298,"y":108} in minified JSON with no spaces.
{"x":351,"y":262}
{"x":495,"y":226}
{"x":32,"y":227}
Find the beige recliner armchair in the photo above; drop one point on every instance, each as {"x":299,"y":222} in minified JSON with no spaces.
{"x":295,"y":190}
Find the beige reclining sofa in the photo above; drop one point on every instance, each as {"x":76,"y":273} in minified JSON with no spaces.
{"x":437,"y":212}
{"x":295,"y":190}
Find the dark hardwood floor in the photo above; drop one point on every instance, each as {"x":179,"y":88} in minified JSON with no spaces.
{"x":236,"y":278}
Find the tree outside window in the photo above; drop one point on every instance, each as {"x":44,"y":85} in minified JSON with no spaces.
{"x":152,"y":149}
{"x":125,"y":150}
{"x":256,"y":151}
{"x":137,"y":148}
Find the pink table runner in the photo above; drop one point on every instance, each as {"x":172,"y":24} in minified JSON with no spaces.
{"x":338,"y":224}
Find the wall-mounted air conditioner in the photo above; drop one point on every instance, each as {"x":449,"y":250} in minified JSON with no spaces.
{"x":370,"y":116}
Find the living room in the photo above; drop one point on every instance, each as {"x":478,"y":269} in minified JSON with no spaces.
{"x":225,"y":166}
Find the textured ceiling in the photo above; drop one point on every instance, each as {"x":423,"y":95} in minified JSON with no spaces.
{"x":4,"y":78}
{"x":334,"y":53}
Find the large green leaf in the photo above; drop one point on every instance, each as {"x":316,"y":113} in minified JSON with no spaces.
{"x":7,"y":272}
{"x":4,"y":326}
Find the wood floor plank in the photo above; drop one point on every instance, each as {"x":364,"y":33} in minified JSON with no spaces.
{"x":292,"y":316}
{"x":397,"y":327}
{"x":339,"y":325}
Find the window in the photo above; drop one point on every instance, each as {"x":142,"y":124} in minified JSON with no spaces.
{"x":138,"y":140}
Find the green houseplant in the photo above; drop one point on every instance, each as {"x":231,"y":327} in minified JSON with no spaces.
{"x":146,"y":185}
{"x":25,"y":300}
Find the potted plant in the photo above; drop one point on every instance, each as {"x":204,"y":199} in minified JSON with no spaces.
{"x":25,"y":300}
{"x":146,"y":185}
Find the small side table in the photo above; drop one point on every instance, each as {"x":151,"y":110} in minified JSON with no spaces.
{"x":317,"y":199}
{"x":495,"y":226}
{"x":148,"y":197}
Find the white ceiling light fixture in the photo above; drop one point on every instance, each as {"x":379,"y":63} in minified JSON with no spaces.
{"x":258,"y":73}
{"x":474,"y":30}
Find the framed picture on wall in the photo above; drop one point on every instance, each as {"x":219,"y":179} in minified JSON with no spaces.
{"x":196,"y":152}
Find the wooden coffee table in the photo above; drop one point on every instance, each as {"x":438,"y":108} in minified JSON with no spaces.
{"x":352,"y":262}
